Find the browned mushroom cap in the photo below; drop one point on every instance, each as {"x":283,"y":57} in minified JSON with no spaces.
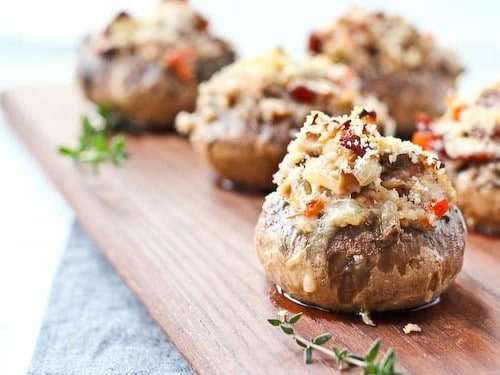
{"x":148,"y":70}
{"x":360,"y":221}
{"x":360,"y":267}
{"x":407,"y":94}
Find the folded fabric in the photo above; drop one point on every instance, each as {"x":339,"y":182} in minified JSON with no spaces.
{"x":95,"y":325}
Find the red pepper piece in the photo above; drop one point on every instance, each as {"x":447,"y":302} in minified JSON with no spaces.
{"x":303,"y":94}
{"x":313,"y":208}
{"x":179,"y":60}
{"x":353,"y":142}
{"x":424,"y":139}
{"x":423,"y":121}
{"x":315,"y":44}
{"x":439,"y":208}
{"x":457,"y":111}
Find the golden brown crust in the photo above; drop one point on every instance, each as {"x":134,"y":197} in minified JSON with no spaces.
{"x":340,"y":170}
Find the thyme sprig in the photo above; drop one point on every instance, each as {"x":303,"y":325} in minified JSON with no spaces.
{"x":95,"y":143}
{"x":345,"y":359}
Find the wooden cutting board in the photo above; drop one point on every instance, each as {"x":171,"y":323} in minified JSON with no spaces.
{"x":185,"y":248}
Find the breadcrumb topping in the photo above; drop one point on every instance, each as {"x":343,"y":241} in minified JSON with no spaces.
{"x":382,"y":43}
{"x":340,"y":171}
{"x":411,"y":327}
{"x":174,"y":24}
{"x":469,"y":131}
{"x":260,"y":93}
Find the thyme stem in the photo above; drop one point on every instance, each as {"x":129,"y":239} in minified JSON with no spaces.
{"x":343,"y":357}
{"x":326,"y":351}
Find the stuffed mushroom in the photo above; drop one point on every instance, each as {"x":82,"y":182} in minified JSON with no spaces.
{"x":467,"y":138}
{"x":359,"y":221}
{"x":248,"y":112}
{"x":401,"y":66}
{"x":148,"y":70}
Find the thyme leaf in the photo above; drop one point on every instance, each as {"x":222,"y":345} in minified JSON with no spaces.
{"x":368,"y":363}
{"x":96,"y":145}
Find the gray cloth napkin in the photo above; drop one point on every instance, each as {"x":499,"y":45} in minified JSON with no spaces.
{"x":95,"y":325}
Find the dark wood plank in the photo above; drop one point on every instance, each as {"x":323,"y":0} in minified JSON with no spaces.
{"x":185,"y":247}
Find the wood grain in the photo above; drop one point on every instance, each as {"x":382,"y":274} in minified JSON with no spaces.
{"x":185,"y":247}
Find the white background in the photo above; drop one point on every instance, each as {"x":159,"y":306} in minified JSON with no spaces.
{"x":37,"y":43}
